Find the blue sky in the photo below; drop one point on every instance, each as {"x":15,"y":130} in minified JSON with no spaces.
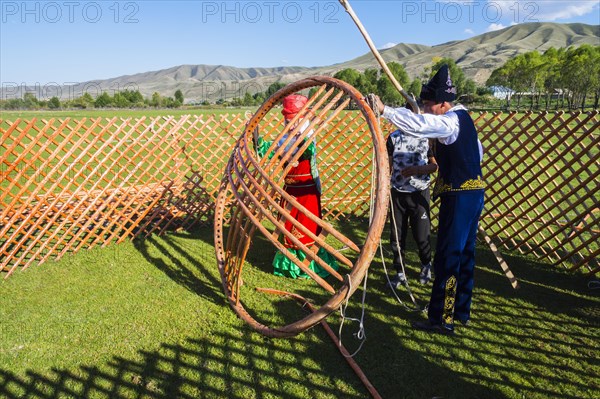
{"x":60,"y":42}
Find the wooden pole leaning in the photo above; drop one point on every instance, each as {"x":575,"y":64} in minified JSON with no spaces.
{"x":252,"y":188}
{"x":351,"y":362}
{"x":378,"y":57}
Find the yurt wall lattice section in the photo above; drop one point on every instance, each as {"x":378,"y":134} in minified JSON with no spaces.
{"x":542,"y":173}
{"x":69,"y":184}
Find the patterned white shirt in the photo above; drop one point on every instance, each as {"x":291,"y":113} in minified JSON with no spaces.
{"x":406,"y":150}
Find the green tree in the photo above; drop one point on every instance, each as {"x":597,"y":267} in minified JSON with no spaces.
{"x":54,"y":103}
{"x":13,"y":103}
{"x":273,"y":88}
{"x":259,"y":98}
{"x":120,"y":100}
{"x":580,"y":71}
{"x":134,"y":97}
{"x":552,"y":60}
{"x":386,"y":89}
{"x":348,"y":75}
{"x":509,"y":76}
{"x":84,"y":101}
{"x":179,"y":96}
{"x":574,"y":71}
{"x":103,"y":100}
{"x":236,"y":102}
{"x":367,"y":81}
{"x":248,"y":99}
{"x":156,"y":100}
{"x":595,"y":83}
{"x":30,"y":101}
{"x":170,"y":102}
{"x":415,"y":87}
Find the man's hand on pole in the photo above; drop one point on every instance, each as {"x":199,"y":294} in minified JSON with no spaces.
{"x":375,"y":103}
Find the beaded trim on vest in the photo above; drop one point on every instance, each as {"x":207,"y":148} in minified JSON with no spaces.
{"x":442,"y":187}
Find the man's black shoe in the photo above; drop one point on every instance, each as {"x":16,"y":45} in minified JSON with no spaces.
{"x":426,"y":325}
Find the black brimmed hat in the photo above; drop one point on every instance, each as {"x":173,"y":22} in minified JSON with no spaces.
{"x":439,"y":88}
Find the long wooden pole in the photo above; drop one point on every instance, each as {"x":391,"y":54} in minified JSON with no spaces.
{"x":355,"y":367}
{"x":363,"y":31}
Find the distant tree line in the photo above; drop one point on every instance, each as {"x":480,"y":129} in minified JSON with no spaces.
{"x":565,"y":78}
{"x":376,"y":81}
{"x":121,"y":99}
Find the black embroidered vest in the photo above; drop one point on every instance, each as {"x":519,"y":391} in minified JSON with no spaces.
{"x":459,"y":163}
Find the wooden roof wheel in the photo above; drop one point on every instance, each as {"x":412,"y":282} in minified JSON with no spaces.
{"x":251,"y":190}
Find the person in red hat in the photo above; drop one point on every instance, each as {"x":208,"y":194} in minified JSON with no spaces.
{"x":460,"y":187}
{"x":303,"y":183}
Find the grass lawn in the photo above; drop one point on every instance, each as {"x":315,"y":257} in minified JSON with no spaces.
{"x":148,"y":319}
{"x":122,"y":113}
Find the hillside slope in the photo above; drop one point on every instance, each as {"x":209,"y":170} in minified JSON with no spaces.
{"x":477,"y":56}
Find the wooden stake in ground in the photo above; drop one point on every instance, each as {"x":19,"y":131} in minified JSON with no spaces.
{"x":511,"y":277}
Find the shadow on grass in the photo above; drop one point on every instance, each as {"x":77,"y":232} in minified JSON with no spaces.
{"x":545,"y":288}
{"x":186,"y":266}
{"x":224,"y":365}
{"x":535,"y":342}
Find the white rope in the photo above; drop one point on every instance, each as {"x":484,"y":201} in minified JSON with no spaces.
{"x":361,"y":334}
{"x":371,"y":100}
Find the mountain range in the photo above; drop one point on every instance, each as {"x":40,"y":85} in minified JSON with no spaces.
{"x":477,"y":57}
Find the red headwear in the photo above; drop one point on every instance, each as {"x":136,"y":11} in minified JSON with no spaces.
{"x":292,"y":104}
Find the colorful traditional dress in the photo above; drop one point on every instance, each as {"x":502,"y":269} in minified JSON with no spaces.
{"x":302,"y":182}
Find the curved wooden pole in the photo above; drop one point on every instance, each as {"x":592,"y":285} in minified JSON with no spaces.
{"x":363,"y":31}
{"x":238,"y":193}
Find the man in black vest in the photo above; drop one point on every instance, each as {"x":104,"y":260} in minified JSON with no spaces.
{"x":459,"y":186}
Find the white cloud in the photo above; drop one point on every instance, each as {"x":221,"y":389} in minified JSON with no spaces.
{"x":469,"y":31}
{"x":540,"y":11}
{"x":555,"y":10}
{"x":494,"y":27}
{"x":387,"y":45}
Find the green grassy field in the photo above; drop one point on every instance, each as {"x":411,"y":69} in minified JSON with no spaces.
{"x":123,"y":113}
{"x":148,"y":319}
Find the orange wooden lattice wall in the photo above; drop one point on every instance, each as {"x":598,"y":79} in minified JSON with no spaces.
{"x":68,"y":184}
